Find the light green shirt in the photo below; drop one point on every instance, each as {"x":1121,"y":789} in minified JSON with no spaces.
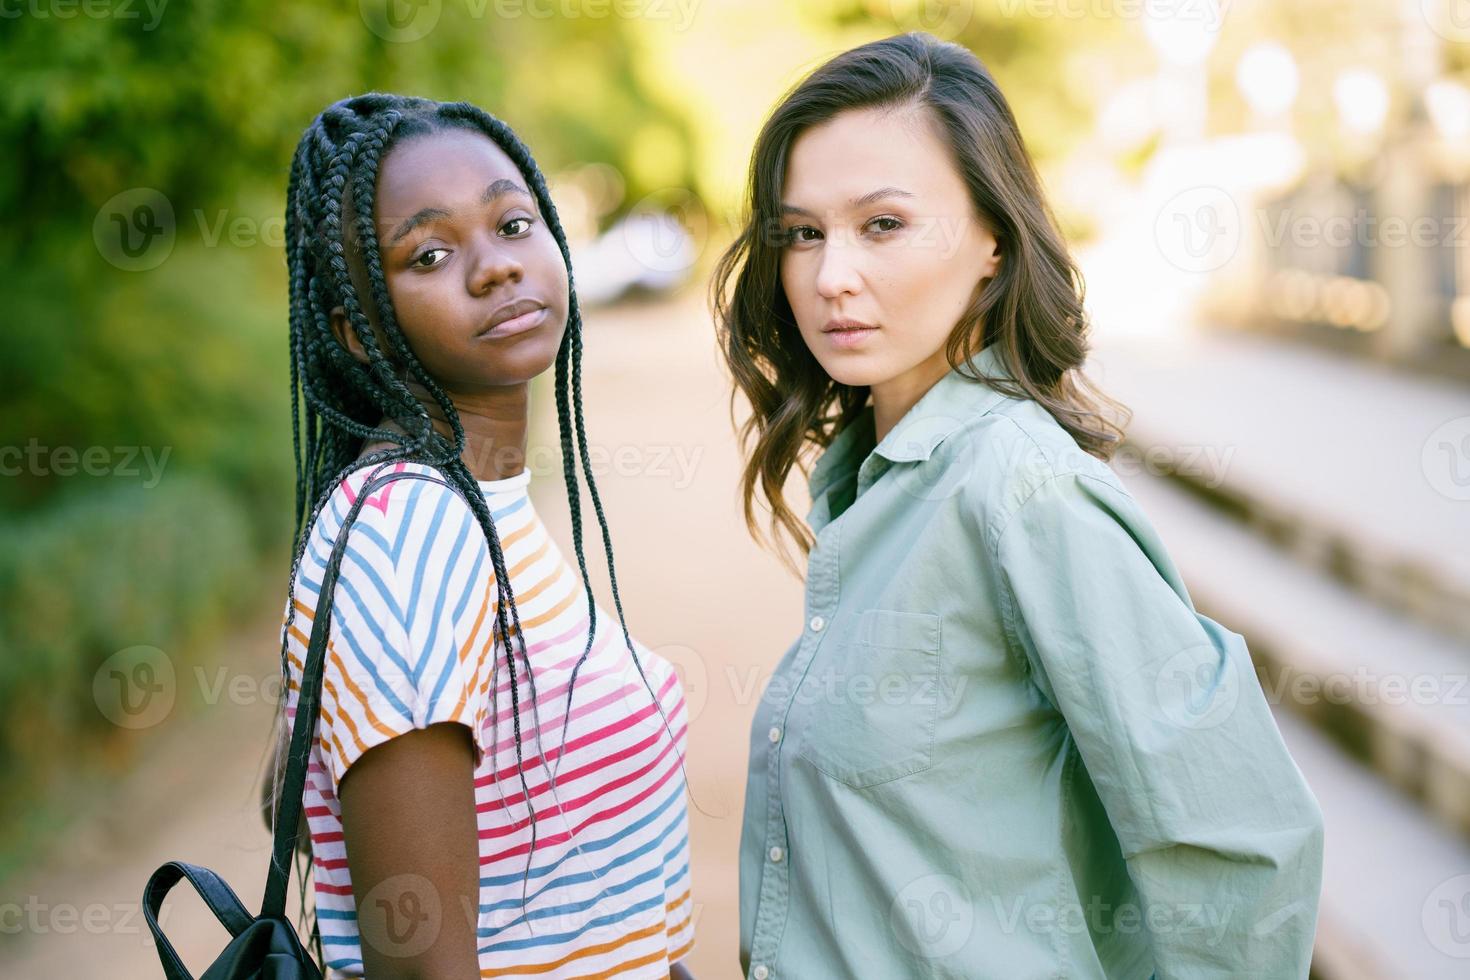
{"x":1006,"y":745}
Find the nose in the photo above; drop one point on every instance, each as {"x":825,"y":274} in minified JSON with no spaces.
{"x":837,"y":272}
{"x":492,"y":264}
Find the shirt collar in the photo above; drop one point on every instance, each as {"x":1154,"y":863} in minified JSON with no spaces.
{"x":953,"y":400}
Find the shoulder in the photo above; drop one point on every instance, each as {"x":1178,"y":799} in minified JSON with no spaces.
{"x":415,"y":499}
{"x":1018,"y":455}
{"x":406,"y":535}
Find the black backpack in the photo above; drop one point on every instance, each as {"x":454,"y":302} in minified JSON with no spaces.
{"x":266,"y":947}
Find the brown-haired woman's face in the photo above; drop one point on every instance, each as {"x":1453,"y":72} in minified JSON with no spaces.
{"x":475,"y":275}
{"x":883,"y":250}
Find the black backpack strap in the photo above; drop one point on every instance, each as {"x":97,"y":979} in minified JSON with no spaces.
{"x":288,"y":807}
{"x":220,"y":898}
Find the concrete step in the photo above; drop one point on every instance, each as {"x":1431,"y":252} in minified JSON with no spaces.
{"x":1391,"y":772}
{"x":1395,"y":887}
{"x":1361,"y":470}
{"x":1390,"y":690}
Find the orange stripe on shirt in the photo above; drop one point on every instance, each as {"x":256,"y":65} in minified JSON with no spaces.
{"x":576,"y":954}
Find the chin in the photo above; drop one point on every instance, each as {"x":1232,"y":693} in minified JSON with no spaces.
{"x":857,"y":372}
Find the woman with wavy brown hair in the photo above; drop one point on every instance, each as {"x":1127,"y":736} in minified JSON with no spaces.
{"x":1005,"y":743}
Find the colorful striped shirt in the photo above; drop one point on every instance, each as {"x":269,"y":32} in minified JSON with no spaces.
{"x":411,"y":645}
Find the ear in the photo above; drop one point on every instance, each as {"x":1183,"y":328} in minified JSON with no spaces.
{"x":991,"y":263}
{"x":346,"y":336}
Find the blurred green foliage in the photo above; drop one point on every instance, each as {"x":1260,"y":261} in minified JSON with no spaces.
{"x":202,"y":104}
{"x":92,"y":573}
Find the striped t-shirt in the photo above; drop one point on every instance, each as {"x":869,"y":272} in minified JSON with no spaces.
{"x":411,"y":645}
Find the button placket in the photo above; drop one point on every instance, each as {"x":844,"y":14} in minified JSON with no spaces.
{"x":771,"y":906}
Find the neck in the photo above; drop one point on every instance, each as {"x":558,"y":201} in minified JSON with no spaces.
{"x":495,"y":422}
{"x":893,"y":398}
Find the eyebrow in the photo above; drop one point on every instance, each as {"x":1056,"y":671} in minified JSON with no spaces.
{"x":857,"y":202}
{"x":496,"y":190}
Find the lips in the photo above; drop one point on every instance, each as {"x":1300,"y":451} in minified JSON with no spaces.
{"x":844,"y":325}
{"x":509,"y":311}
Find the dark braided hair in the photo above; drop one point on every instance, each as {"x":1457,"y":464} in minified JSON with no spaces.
{"x":344,"y":400}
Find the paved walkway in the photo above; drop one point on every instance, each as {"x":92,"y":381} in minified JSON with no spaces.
{"x":694,"y":586}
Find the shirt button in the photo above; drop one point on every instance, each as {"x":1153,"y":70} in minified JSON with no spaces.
{"x":759,"y":972}
{"x":774,"y":734}
{"x":776,"y":854}
{"x":817,"y":624}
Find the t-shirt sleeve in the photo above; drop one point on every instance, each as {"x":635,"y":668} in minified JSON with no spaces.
{"x":410,"y":642}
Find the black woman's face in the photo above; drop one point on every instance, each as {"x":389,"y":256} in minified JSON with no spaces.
{"x":475,"y":275}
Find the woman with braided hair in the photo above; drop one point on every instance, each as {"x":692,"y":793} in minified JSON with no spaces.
{"x":496,"y":784}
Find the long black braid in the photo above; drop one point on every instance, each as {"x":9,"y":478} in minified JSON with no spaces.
{"x":337,"y":402}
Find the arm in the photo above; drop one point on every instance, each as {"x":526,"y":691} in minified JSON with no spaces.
{"x":415,"y":869}
{"x":1222,"y":838}
{"x":403,"y":722}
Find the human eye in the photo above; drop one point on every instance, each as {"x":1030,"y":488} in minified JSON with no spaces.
{"x":801,"y":235}
{"x":418,"y":263}
{"x":885,"y":224}
{"x":521,"y":223}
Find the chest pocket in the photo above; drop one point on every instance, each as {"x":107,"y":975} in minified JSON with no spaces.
{"x":876,"y":703}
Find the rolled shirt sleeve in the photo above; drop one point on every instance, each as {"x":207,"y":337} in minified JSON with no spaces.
{"x":1221,"y":835}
